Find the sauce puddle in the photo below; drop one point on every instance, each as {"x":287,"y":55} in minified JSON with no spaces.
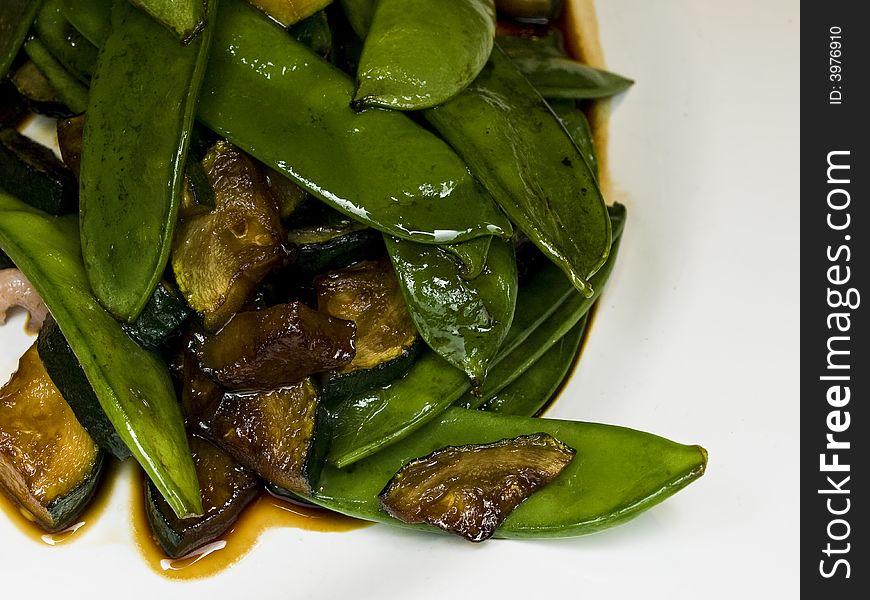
{"x":265,"y":512}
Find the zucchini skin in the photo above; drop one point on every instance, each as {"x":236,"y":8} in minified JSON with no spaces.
{"x":336,"y":253}
{"x":165,"y":312}
{"x":68,"y":376}
{"x":66,"y":509}
{"x":31,"y":171}
{"x":338,"y":387}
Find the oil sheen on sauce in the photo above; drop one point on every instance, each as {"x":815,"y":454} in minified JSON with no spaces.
{"x":265,"y":512}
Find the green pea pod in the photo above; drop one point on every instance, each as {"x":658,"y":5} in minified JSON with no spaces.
{"x":577,"y":125}
{"x":359,"y":13}
{"x":68,"y":88}
{"x":65,"y":43}
{"x":521,"y":152}
{"x":16,"y":16}
{"x":555,"y":75}
{"x":315,"y":33}
{"x":369,"y":422}
{"x":463,"y":321}
{"x":184,"y":18}
{"x":471,"y":255}
{"x":132,"y":385}
{"x":92,"y":18}
{"x":141,"y":110}
{"x":617,"y":473}
{"x":275,"y":99}
{"x":530,"y":393}
{"x":397,"y":69}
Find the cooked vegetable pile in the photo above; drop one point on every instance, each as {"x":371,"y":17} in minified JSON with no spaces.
{"x":345,"y":251}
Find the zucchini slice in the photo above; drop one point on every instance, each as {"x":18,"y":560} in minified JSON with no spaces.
{"x":281,"y":434}
{"x":67,"y":374}
{"x":227,"y":487}
{"x":333,"y":245}
{"x":32,"y":172}
{"x":368,"y":294}
{"x":49,"y":465}
{"x":69,"y":139}
{"x":277,"y":346}
{"x":41,"y":96}
{"x":220,"y":257}
{"x":469,"y":490}
{"x":164,"y":313}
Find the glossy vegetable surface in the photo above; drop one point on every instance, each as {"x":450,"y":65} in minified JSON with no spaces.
{"x":618,"y":473}
{"x":133,"y":156}
{"x":555,"y":75}
{"x":139,"y":401}
{"x":464,"y":321}
{"x":184,"y":18}
{"x":15,"y":19}
{"x":518,"y":148}
{"x":64,"y":41}
{"x":398,"y":70}
{"x":69,"y":139}
{"x":577,"y":125}
{"x":469,"y":490}
{"x":49,"y":465}
{"x":395,"y":176}
{"x":288,"y":12}
{"x":90,"y":17}
{"x":68,"y":88}
{"x":32,"y":171}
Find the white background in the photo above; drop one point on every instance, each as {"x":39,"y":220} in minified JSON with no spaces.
{"x":697,"y":340}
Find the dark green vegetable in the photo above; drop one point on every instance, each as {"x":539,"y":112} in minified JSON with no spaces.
{"x":165,"y":312}
{"x":471,"y":255}
{"x":618,"y":473}
{"x":325,"y":248}
{"x":184,"y":18}
{"x":131,"y":384}
{"x":469,"y":490}
{"x":544,"y":62}
{"x":220,"y":256}
{"x":69,"y":139}
{"x":49,"y":466}
{"x":13,"y":106}
{"x":276,"y":346}
{"x":397,"y":69}
{"x":30,"y":170}
{"x":66,"y":44}
{"x":198,"y":197}
{"x":227,"y":487}
{"x":395,"y":176}
{"x":135,"y":146}
{"x":577,"y":125}
{"x":528,"y":394}
{"x":533,"y":10}
{"x":386,"y":339}
{"x":41,"y":96}
{"x":90,"y":17}
{"x":68,"y":88}
{"x":16,"y":17}
{"x":368,"y":422}
{"x":359,"y":13}
{"x":66,"y":373}
{"x":520,"y":151}
{"x":463,"y":321}
{"x":288,"y":12}
{"x":281,"y":434}
{"x":315,"y":33}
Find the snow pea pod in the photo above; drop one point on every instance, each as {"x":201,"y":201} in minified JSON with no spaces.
{"x":16,"y":16}
{"x":471,"y":255}
{"x":369,"y":422}
{"x":577,"y":125}
{"x":397,"y":69}
{"x":617,"y":473}
{"x":521,"y":152}
{"x":141,"y":110}
{"x":92,"y":18}
{"x":68,"y":88}
{"x":464,"y":321}
{"x":272,"y":97}
{"x":359,"y":13}
{"x":527,"y":395}
{"x":65,"y":43}
{"x":184,"y":18}
{"x":554,"y":74}
{"x":132,"y":385}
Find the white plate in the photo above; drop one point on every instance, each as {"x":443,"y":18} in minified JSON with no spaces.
{"x":696,"y":340}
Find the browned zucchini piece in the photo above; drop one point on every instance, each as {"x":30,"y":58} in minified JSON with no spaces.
{"x":49,"y":465}
{"x":276,"y":346}
{"x":288,"y":196}
{"x":279,"y":433}
{"x":32,"y":172}
{"x":288,"y":12}
{"x":368,"y":294}
{"x":219,"y":257}
{"x":227,"y":487}
{"x":69,"y":138}
{"x":469,"y":490}
{"x":40,"y":94}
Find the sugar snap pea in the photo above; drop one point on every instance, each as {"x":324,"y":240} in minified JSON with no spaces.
{"x":555,"y":75}
{"x":518,"y":148}
{"x":68,"y":88}
{"x":184,"y":18}
{"x":464,"y":321}
{"x":131,"y":384}
{"x":617,"y":473}
{"x":526,"y":396}
{"x":397,"y":69}
{"x":275,"y":99}
{"x":16,"y":16}
{"x":64,"y":41}
{"x":141,"y":109}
